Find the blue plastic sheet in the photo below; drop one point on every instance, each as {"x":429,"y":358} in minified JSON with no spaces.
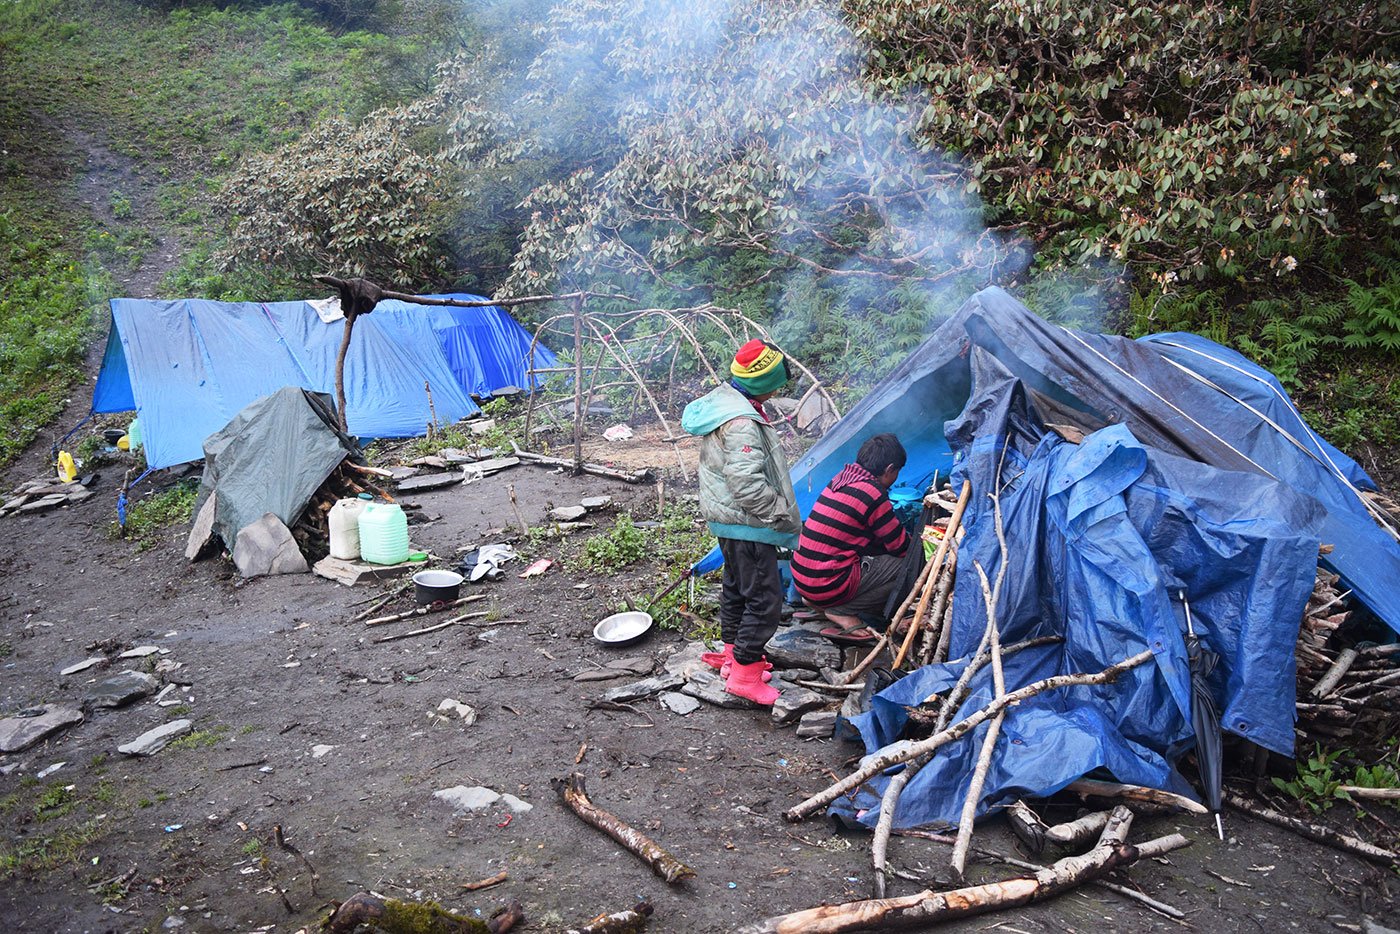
{"x":189,"y":366}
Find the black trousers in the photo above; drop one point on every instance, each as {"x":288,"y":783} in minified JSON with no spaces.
{"x":751,"y":597}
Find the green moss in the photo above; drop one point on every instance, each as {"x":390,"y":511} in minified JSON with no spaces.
{"x":425,"y":918}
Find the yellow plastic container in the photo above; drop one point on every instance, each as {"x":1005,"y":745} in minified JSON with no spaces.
{"x":67,"y":470}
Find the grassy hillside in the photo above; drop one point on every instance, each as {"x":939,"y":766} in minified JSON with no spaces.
{"x":170,"y":101}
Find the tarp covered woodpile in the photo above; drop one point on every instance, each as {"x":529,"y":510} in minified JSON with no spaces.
{"x":1129,"y":472}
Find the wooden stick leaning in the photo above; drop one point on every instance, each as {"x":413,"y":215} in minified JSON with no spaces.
{"x":907,"y":750}
{"x":573,"y":793}
{"x":936,"y":633}
{"x":936,"y":563}
{"x":928,"y":907}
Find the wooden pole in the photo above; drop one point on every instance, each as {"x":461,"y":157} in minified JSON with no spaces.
{"x":578,"y":384}
{"x":953,"y":525}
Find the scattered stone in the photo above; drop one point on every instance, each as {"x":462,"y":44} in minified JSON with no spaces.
{"x":481,"y":426}
{"x":44,"y":503}
{"x":507,"y":392}
{"x":153,"y":741}
{"x":465,"y":799}
{"x":429,"y":461}
{"x":492,"y":465}
{"x":201,"y":534}
{"x":141,"y":651}
{"x":402,"y":473}
{"x":644,"y":688}
{"x":635,"y":665}
{"x":267,"y":547}
{"x":599,"y":674}
{"x":319,"y":750}
{"x":450,"y":706}
{"x":687,"y":660}
{"x":83,"y":665}
{"x":819,"y":724}
{"x":802,"y":648}
{"x":45,"y":773}
{"x":592,"y":503}
{"x":568,"y":513}
{"x":432,"y":481}
{"x":21,"y":732}
{"x":794,"y":702}
{"x":708,"y":686}
{"x":517,"y":805}
{"x":677,"y":703}
{"x":172,"y":923}
{"x":120,"y":690}
{"x":455,"y":456}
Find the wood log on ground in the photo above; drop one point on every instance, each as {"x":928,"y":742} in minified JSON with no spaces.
{"x":1315,"y":832}
{"x":1091,"y":788}
{"x":399,"y":917}
{"x":640,"y":476}
{"x":1374,"y":794}
{"x":929,"y":907}
{"x":908,"y":750}
{"x":1027,"y":826}
{"x":573,"y":793}
{"x":1074,"y":833}
{"x":631,"y":921}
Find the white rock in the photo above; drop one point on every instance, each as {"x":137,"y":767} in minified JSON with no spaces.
{"x":516,"y":805}
{"x":140,"y":651}
{"x":45,"y":773}
{"x":153,"y":741}
{"x":464,"y":712}
{"x":83,"y":665}
{"x":465,"y":799}
{"x":320,"y":750}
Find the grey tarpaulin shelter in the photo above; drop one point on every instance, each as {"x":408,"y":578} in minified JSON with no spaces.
{"x":272,"y":457}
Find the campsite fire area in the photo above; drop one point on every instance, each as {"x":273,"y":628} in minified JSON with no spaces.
{"x":316,"y":751}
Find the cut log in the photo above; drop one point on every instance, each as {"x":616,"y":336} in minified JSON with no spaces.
{"x":573,"y":793}
{"x":1345,"y":659}
{"x":631,"y":921}
{"x":1076,"y":832}
{"x":1089,"y":788}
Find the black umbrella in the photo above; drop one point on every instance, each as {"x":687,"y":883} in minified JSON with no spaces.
{"x":1205,"y":717}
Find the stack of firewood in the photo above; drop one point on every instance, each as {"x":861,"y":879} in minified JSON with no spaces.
{"x":1346,"y":692}
{"x":348,"y":480}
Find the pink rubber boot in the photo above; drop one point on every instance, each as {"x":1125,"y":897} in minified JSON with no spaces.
{"x":747,"y":681}
{"x":725,"y":660}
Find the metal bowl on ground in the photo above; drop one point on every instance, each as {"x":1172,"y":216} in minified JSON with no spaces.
{"x":623,"y":629}
{"x":432,"y":586}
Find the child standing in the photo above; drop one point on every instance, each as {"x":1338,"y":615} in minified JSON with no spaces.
{"x":747,"y":499}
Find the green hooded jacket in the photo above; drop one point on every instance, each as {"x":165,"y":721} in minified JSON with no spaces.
{"x":745,"y":490}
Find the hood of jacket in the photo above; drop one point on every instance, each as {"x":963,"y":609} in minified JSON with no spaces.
{"x":851,"y":473}
{"x":716,"y":407}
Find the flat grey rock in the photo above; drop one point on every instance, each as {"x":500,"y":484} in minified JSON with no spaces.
{"x":687,"y":660}
{"x":398,"y":474}
{"x":817,"y":725}
{"x":202,"y":531}
{"x":644,"y":688}
{"x":708,"y":686}
{"x":600,"y":674}
{"x":429,"y":461}
{"x":794,"y":702}
{"x":83,"y":665}
{"x":595,"y":502}
{"x":802,"y":648}
{"x":568,"y":513}
{"x":266,"y":547}
{"x":432,"y":481}
{"x":464,"y":799}
{"x":17,"y":733}
{"x":682,"y":704}
{"x":140,"y":651}
{"x":481,"y":426}
{"x":153,"y":741}
{"x":456,"y":456}
{"x":633,"y":665}
{"x":493,"y":465}
{"x":516,"y":804}
{"x":121,"y":689}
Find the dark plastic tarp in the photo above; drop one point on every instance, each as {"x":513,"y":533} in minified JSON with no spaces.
{"x":271,"y":457}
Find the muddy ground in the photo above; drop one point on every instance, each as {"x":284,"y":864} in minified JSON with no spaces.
{"x":271,"y":669}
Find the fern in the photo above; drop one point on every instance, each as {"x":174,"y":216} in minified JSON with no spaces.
{"x":1373,"y":319}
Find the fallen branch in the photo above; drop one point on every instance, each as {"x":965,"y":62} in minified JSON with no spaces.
{"x":423,"y":632}
{"x":400,"y":917}
{"x":1378,"y":794}
{"x":573,"y":793}
{"x":437,"y":607}
{"x":631,"y":921}
{"x":1074,"y":833}
{"x":486,"y":883}
{"x":640,"y":476}
{"x":1315,"y":832}
{"x":287,"y":847}
{"x":929,"y":907}
{"x":907,"y":750}
{"x":1091,"y":788}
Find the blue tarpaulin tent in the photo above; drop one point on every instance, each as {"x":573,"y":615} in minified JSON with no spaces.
{"x":188,"y":366}
{"x":1192,"y":474}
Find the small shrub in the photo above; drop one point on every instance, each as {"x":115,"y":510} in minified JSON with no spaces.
{"x":611,"y":551}
{"x":148,"y":517}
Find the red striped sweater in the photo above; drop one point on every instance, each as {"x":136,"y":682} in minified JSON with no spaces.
{"x":852,"y":517}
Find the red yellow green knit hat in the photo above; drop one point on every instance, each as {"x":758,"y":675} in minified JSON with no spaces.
{"x":759,"y":367}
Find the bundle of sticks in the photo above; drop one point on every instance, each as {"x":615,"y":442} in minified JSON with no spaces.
{"x":346,"y":481}
{"x":1347,"y":691}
